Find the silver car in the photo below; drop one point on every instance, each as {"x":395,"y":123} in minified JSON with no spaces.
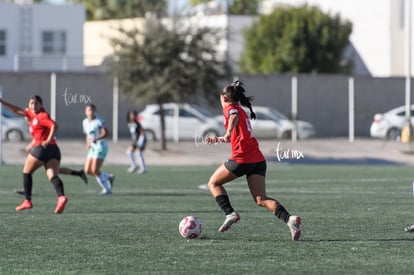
{"x":182,"y":122}
{"x":270,"y":123}
{"x":14,"y":128}
{"x":388,"y":125}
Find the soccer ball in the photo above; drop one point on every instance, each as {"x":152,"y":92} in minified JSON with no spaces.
{"x":190,"y":227}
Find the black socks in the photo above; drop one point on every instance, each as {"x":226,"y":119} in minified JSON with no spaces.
{"x":58,"y":184}
{"x":76,"y":173}
{"x":27,"y":185}
{"x":224,"y":203}
{"x":281,"y":213}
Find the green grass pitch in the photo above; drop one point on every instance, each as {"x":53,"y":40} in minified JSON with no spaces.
{"x":352,"y":223}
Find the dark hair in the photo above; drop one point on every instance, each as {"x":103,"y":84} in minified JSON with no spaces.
{"x":235,"y":93}
{"x":131,"y":112}
{"x":92,"y":106}
{"x":37,"y":98}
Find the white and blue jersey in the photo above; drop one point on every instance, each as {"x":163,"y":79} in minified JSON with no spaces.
{"x":92,"y":129}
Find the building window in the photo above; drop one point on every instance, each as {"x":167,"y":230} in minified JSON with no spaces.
{"x":54,"y":42}
{"x":3,"y":42}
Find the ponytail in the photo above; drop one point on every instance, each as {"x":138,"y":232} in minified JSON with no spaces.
{"x":240,"y":96}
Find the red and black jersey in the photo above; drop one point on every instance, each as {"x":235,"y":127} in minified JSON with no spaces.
{"x":40,"y":125}
{"x":244,"y":147}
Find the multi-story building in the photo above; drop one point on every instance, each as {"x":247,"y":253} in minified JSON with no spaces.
{"x":56,"y":37}
{"x":41,"y":37}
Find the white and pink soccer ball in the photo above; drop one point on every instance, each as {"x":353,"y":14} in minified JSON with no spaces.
{"x":190,"y":227}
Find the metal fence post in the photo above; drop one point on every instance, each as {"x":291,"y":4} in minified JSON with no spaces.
{"x":351,"y":111}
{"x":294,"y":108}
{"x":115,"y":110}
{"x":1,"y":128}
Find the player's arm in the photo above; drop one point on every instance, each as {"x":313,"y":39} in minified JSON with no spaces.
{"x":233,"y":120}
{"x":103,"y":133}
{"x":30,"y":145}
{"x":141,"y":138}
{"x":88,"y":142}
{"x":12,"y":107}
{"x":51,"y":135}
{"x":141,"y":131}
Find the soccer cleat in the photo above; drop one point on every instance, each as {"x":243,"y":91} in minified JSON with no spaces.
{"x":105,"y":192}
{"x":62,"y":200}
{"x":26,"y":204}
{"x":83,"y":176}
{"x":141,"y":171}
{"x":409,"y":228}
{"x":228,"y":222}
{"x":110,"y":180}
{"x":294,"y":226}
{"x":132,"y":169}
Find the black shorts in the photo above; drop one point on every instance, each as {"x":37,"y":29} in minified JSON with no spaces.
{"x":240,"y":169}
{"x":51,"y":151}
{"x":135,"y":144}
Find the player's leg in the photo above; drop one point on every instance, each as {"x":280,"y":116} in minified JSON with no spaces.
{"x":88,"y":166}
{"x":107,"y":178}
{"x":52,"y":169}
{"x":215,"y":184}
{"x":131,"y":154}
{"x":142,"y":143}
{"x":31,"y":164}
{"x":68,"y":171}
{"x":141,"y":161}
{"x":101,"y":177}
{"x":257,"y":188}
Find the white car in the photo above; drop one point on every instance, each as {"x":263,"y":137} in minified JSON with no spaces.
{"x":389,"y":124}
{"x":14,"y":128}
{"x":270,"y":123}
{"x":182,"y":122}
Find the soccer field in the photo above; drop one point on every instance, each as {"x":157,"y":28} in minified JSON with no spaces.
{"x":352,"y":223}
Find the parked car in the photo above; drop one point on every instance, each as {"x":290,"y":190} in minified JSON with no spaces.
{"x":388,"y":125}
{"x":14,"y":128}
{"x":270,"y":123}
{"x":192,"y":121}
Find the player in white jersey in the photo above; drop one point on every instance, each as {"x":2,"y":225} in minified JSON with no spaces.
{"x":95,"y":133}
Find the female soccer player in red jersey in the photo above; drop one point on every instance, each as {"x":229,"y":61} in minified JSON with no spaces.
{"x":44,"y":152}
{"x":246,"y":159}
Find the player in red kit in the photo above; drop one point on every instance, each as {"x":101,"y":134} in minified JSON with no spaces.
{"x":44,"y":151}
{"x":246,"y":159}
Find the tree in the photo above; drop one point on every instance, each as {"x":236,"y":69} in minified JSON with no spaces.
{"x":297,"y":40}
{"x":247,"y":7}
{"x":198,"y":2}
{"x":160,"y":64}
{"x":115,"y":9}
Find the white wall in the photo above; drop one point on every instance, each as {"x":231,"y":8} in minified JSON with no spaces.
{"x":9,"y":15}
{"x":44,"y":17}
{"x":236,"y":38}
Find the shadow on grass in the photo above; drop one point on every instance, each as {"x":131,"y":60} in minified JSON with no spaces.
{"x":355,"y":240}
{"x":155,"y":194}
{"x":335,"y":161}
